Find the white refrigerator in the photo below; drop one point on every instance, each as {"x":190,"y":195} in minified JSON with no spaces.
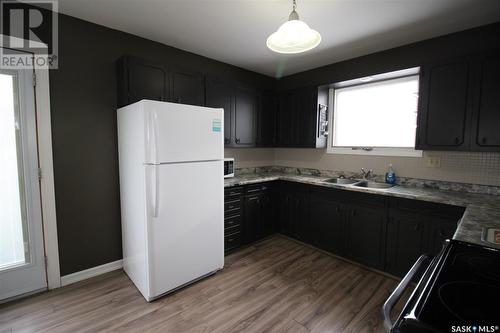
{"x":171,"y":193}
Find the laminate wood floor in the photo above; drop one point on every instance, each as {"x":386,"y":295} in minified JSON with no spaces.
{"x":277,"y":285}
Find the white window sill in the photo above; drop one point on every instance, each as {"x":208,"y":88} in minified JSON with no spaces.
{"x":403,"y":152}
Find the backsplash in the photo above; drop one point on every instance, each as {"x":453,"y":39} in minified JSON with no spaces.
{"x":461,"y":167}
{"x":250,"y":157}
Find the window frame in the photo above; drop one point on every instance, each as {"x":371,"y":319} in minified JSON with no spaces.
{"x":373,"y":151}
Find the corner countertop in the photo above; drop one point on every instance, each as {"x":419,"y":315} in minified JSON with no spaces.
{"x":481,"y":210}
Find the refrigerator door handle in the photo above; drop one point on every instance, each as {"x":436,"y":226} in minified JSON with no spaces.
{"x":156,"y":191}
{"x":155,"y":136}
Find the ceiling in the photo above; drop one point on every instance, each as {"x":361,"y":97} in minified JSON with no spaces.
{"x":235,"y":31}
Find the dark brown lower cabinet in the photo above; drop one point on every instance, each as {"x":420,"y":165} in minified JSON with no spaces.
{"x":388,"y":234}
{"x":326,"y":224}
{"x":365,"y":235}
{"x":259,"y":220}
{"x":351,"y":225}
{"x":293,"y":210}
{"x":439,"y":230}
{"x":415,"y":228}
{"x":268,"y":212}
{"x":233,"y":218}
{"x":406,"y":239}
{"x":252,"y":218}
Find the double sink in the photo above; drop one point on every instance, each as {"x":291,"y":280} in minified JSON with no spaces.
{"x":359,"y":183}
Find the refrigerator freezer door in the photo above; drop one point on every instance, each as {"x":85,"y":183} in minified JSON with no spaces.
{"x":186,"y":238}
{"x":182,"y":133}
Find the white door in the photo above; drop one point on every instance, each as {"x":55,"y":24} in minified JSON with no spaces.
{"x":22,"y":264}
{"x":178,"y":132}
{"x":185,"y":223}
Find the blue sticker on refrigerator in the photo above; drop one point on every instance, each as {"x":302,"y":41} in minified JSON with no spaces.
{"x":216,"y":125}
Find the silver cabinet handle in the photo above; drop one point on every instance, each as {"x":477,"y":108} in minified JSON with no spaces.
{"x":398,"y":292}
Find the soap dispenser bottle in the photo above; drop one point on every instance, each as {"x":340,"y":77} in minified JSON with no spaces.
{"x":390,"y":176}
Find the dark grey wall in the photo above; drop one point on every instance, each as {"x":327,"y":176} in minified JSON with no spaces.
{"x":83,"y":108}
{"x":411,"y":55}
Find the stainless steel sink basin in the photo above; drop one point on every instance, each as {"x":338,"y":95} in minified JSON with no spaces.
{"x":341,"y":181}
{"x":374,"y":185}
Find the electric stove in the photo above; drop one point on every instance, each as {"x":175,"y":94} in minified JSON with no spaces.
{"x":458,"y":292}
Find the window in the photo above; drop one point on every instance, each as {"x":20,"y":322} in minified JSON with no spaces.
{"x":375,"y":115}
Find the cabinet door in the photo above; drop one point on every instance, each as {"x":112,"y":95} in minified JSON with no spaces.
{"x":252,"y":224}
{"x":219,"y":95}
{"x":186,"y":87}
{"x":300,"y":217}
{"x":145,"y":80}
{"x":438,"y":231}
{"x":245,"y":108}
{"x":306,"y":103}
{"x":286,"y":225}
{"x":326,"y":220}
{"x":285,"y":120}
{"x":268,"y":214}
{"x":445,"y":105}
{"x":365,"y":231}
{"x":406,"y":235}
{"x":266,"y":120}
{"x":487,"y":108}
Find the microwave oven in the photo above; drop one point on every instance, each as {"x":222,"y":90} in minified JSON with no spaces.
{"x":228,"y":167}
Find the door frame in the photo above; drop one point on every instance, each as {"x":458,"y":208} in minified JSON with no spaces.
{"x":46,"y":180}
{"x":47,"y":188}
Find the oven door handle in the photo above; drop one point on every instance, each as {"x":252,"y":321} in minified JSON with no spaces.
{"x":398,"y":292}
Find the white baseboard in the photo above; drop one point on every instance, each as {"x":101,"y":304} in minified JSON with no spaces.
{"x":91,"y":272}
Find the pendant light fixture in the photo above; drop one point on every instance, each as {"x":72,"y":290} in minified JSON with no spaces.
{"x":293,"y":36}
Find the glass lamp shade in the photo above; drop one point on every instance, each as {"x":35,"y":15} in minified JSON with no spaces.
{"x":293,"y":36}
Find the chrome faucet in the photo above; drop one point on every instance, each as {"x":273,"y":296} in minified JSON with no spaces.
{"x":366,"y":174}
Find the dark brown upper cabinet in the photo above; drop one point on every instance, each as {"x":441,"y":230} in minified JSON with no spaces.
{"x":445,"y":106}
{"x":298,"y":118}
{"x":244,"y":116}
{"x":459,"y":106}
{"x":266,"y":119}
{"x":219,"y":94}
{"x":240,"y":104}
{"x":187,"y":87}
{"x":486,"y":114}
{"x":141,"y":79}
{"x":285,"y":119}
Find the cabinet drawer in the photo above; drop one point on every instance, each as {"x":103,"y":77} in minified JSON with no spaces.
{"x":232,"y":241}
{"x":232,"y":212}
{"x":233,"y":193}
{"x":257,"y":188}
{"x":232,"y":205}
{"x":232,"y":221}
{"x":232,"y":229}
{"x":237,"y":190}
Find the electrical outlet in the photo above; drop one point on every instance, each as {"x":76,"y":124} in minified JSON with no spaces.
{"x":433,"y":162}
